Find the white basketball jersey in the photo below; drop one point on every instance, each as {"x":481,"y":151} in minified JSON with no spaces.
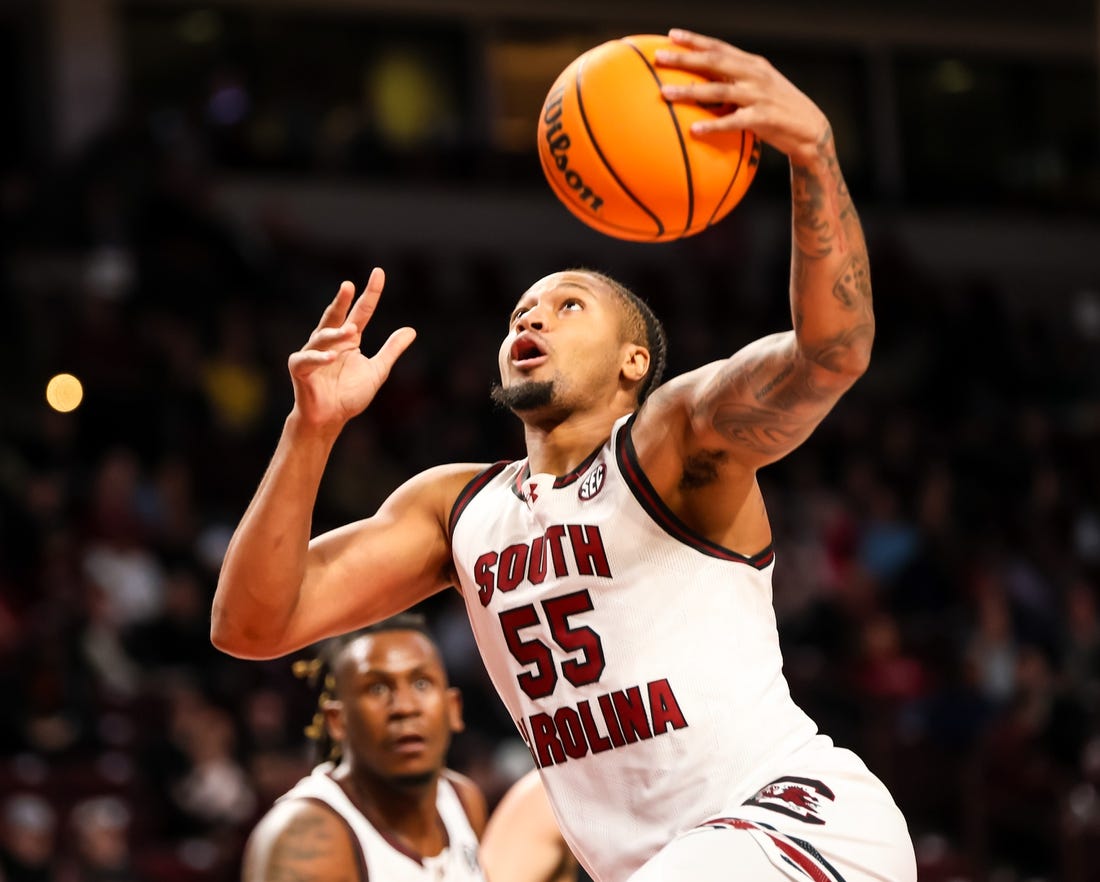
{"x":640,"y":661}
{"x":387,"y":859}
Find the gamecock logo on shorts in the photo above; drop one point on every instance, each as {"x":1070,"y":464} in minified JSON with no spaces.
{"x":795,"y":797}
{"x":593,"y":484}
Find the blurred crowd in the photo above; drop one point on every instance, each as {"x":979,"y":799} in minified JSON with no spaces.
{"x":938,"y":539}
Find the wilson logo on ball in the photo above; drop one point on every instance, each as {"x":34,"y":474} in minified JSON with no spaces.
{"x":558,"y":142}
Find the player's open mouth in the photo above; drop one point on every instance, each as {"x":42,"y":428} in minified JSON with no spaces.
{"x":527,"y":352}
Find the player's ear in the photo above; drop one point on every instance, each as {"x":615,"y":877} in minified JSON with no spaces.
{"x":454,"y":710}
{"x":334,"y":719}
{"x":635,"y":362}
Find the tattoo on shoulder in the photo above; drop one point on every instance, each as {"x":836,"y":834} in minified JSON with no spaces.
{"x":762,"y":393}
{"x":787,"y":403}
{"x":760,"y":429}
{"x":297,"y":854}
{"x":787,"y":389}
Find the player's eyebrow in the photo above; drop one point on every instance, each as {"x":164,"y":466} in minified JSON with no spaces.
{"x":565,"y":283}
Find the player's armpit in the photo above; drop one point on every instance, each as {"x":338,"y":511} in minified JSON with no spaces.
{"x":301,"y":841}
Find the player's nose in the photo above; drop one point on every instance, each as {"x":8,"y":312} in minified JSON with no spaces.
{"x":404,"y":701}
{"x":534,"y":319}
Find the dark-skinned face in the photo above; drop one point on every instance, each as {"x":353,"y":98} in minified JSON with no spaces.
{"x":565,"y":347}
{"x":394,"y":711}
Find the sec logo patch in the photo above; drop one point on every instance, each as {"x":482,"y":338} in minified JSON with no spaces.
{"x":593,"y":484}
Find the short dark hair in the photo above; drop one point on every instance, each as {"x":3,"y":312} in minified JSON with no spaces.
{"x":403,"y":621}
{"x":642,"y":327}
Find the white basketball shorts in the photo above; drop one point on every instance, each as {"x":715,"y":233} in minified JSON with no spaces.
{"x":821,"y":817}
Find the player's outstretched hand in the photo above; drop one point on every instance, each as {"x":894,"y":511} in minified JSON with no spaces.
{"x":762,"y":99}
{"x":333,"y":380}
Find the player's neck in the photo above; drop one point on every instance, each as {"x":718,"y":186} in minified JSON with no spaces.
{"x":560,"y":448}
{"x":408,"y":814}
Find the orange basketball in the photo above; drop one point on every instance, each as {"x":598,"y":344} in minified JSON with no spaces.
{"x":623,"y":159}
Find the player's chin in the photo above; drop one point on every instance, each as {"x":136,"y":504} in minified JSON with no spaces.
{"x":409,"y":776}
{"x":413,"y":755}
{"x":524,"y":394}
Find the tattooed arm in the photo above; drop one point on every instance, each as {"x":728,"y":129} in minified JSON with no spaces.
{"x":301,"y":841}
{"x":766,"y":400}
{"x":769,"y":397}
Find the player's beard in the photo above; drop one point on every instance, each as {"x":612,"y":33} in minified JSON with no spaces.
{"x":528,"y":395}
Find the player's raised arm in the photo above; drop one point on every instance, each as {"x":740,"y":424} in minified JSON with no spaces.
{"x":277,"y":591}
{"x":766,"y":399}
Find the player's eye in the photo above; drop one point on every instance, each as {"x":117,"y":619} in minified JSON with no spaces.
{"x":572,"y":304}
{"x":377,"y":689}
{"x":422,"y":683}
{"x":516,"y":314}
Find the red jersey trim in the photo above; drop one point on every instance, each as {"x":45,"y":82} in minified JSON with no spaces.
{"x":471,"y":490}
{"x":655,"y":507}
{"x":571,"y":476}
{"x":560,"y":481}
{"x":797,"y":852}
{"x":517,"y":484}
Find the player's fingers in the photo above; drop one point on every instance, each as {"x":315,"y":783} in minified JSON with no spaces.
{"x":684,"y":37}
{"x":391,"y":350}
{"x":737,"y":120}
{"x":328,"y":338}
{"x":364,"y":307}
{"x":336,"y":311}
{"x":707,"y":93}
{"x":716,"y":61}
{"x":306,"y":361}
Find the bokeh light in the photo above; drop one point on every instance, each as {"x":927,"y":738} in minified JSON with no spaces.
{"x":64,"y":393}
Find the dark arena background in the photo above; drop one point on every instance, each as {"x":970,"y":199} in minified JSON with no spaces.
{"x":184,"y":185}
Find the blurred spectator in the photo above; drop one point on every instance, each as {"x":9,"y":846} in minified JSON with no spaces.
{"x":1081,"y":642}
{"x":177,"y":637}
{"x":28,"y":839}
{"x":992,"y":647}
{"x":885,"y":671}
{"x":118,"y":558}
{"x":1033,"y":754}
{"x":233,"y":380}
{"x":214,"y":789}
{"x":102,"y":851}
{"x":101,"y":648}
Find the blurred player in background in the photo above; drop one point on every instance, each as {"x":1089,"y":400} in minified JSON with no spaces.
{"x":382,"y":806}
{"x":617,"y":579}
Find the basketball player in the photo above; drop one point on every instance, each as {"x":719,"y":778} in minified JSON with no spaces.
{"x":383,"y":807}
{"x":618,"y":578}
{"x":522,"y":841}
